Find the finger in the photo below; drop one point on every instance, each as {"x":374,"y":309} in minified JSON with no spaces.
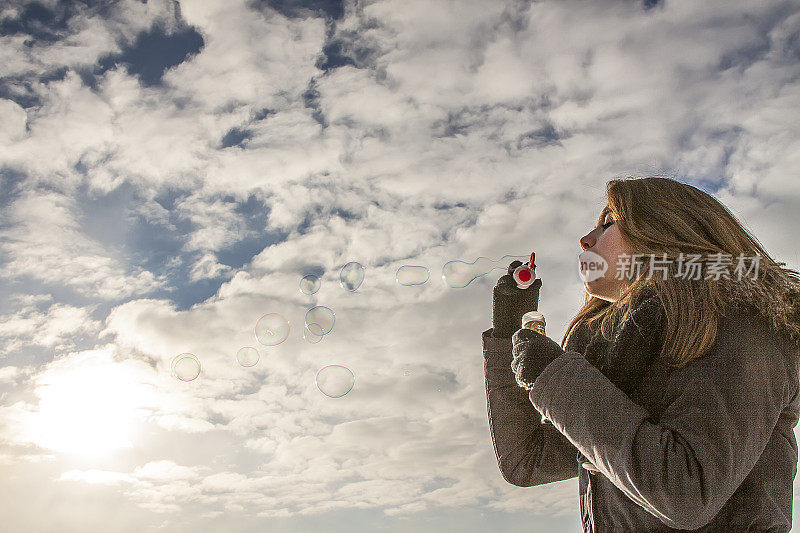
{"x":517,"y":351}
{"x":523,"y":335}
{"x":516,"y":340}
{"x":513,"y":266}
{"x":521,"y":353}
{"x":506,"y":280}
{"x":516,"y":365}
{"x":506,"y":285}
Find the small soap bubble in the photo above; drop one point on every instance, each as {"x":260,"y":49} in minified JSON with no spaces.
{"x":459,"y":274}
{"x":320,"y":320}
{"x":247,"y":356}
{"x":272,"y":329}
{"x":335,"y":381}
{"x":186,"y":367}
{"x":309,"y":284}
{"x":408,"y":275}
{"x":351,"y":276}
{"x":310,"y":336}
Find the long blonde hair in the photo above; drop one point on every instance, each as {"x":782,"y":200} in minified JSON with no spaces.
{"x":664,"y":217}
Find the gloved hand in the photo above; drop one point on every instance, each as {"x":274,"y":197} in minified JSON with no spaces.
{"x":509,"y":303}
{"x":532,"y":352}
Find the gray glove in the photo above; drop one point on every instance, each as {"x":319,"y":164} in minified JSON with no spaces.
{"x":509,"y":303}
{"x":532,"y":353}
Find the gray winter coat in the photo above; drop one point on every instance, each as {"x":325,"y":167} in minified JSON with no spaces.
{"x":707,"y":447}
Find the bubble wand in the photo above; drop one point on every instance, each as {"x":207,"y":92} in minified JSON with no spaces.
{"x":525,"y":274}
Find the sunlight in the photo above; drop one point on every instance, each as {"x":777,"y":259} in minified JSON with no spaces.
{"x":87,"y":405}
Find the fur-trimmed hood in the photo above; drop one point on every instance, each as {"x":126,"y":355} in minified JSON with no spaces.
{"x":773,"y":294}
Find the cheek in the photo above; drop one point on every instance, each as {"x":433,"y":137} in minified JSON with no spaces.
{"x":616,"y":245}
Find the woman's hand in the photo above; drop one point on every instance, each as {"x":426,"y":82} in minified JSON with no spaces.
{"x":509,"y":303}
{"x":532,"y":352}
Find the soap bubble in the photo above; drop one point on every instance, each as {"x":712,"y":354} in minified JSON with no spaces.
{"x":186,"y":367}
{"x":272,"y":329}
{"x":247,"y":356}
{"x":310,"y":336}
{"x":335,"y":380}
{"x":351,"y":276}
{"x":412,"y":275}
{"x":459,"y":274}
{"x":320,"y":320}
{"x":309,"y":284}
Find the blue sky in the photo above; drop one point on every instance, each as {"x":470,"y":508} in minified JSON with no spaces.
{"x":169,"y":172}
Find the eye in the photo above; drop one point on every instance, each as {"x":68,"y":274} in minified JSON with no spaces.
{"x":607,"y":224}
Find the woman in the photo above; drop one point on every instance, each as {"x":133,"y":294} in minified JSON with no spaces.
{"x":672,"y":397}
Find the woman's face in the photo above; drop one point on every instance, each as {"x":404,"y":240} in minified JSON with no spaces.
{"x":607,"y":241}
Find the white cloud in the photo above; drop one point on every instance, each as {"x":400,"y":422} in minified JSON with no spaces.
{"x":166,"y":470}
{"x":9,"y":373}
{"x":57,"y":326}
{"x":43,"y":241}
{"x":100,"y":477}
{"x":14,"y":119}
{"x":261,"y":63}
{"x":73,"y":124}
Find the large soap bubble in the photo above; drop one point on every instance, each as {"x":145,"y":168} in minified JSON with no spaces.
{"x":185,"y":367}
{"x":459,"y":274}
{"x":335,"y":380}
{"x":310,"y":336}
{"x":351,"y":276}
{"x":247,"y":356}
{"x":320,"y":320}
{"x":412,"y":275}
{"x":272,"y":329}
{"x":309,"y":284}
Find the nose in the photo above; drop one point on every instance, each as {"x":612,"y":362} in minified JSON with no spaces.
{"x":587,"y":241}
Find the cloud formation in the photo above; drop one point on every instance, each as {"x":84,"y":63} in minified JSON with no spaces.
{"x":169,"y":171}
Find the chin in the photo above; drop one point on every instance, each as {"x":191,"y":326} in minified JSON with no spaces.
{"x":593,"y":291}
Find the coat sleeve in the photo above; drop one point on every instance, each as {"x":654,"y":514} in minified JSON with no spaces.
{"x":529,"y":452}
{"x":721,"y":411}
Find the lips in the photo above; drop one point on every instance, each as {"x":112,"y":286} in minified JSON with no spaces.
{"x":591,"y":266}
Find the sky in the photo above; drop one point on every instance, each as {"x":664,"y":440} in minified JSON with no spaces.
{"x":169,"y":171}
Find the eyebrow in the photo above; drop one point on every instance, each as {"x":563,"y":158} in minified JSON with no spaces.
{"x":602,"y":216}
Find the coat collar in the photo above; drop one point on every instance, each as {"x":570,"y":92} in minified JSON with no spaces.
{"x":774,"y":294}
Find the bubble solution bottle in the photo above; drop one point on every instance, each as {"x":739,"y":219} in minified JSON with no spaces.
{"x":534,"y":320}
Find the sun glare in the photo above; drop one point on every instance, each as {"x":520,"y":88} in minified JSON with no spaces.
{"x":87,"y":406}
